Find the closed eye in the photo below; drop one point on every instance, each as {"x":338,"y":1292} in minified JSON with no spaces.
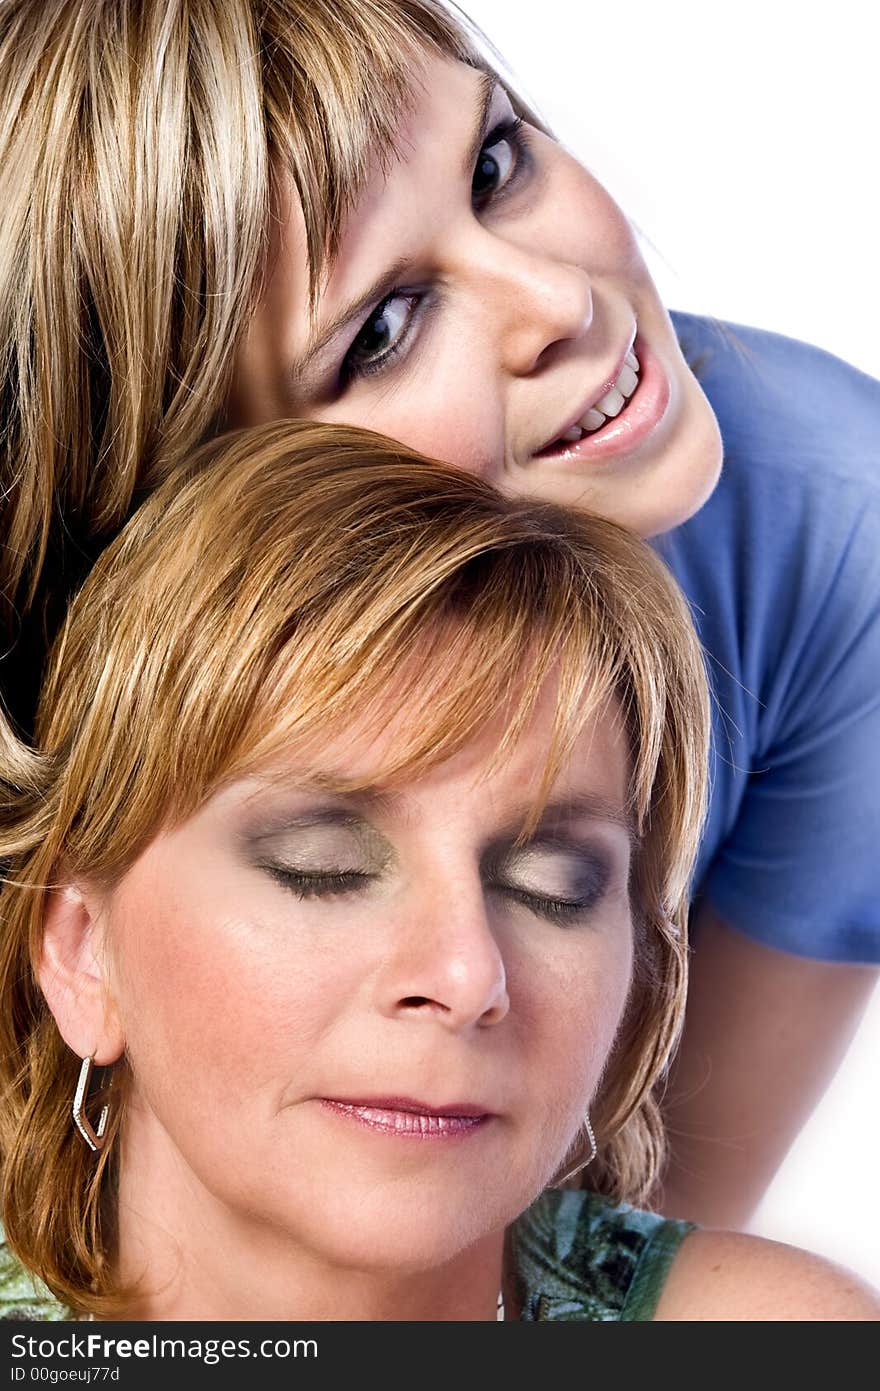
{"x":559,"y":910}
{"x":324,"y":885}
{"x":332,"y":885}
{"x":553,"y":879}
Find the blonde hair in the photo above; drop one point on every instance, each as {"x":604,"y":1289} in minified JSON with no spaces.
{"x":290,"y":576}
{"x":138,"y":148}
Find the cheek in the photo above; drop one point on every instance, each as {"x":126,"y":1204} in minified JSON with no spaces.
{"x":209,"y":980}
{"x":571,"y":1003}
{"x":448,"y":405}
{"x":593,"y":1010}
{"x":576,"y":1008}
{"x":579,"y":220}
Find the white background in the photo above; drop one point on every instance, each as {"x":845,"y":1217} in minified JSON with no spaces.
{"x":742,"y":138}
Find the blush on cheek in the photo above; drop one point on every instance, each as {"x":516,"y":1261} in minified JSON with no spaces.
{"x":179,"y":987}
{"x":170,"y":998}
{"x":220,"y":1013}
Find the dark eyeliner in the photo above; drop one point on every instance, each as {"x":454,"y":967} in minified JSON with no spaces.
{"x":590,"y":870}
{"x":350,"y":370}
{"x":512,"y":130}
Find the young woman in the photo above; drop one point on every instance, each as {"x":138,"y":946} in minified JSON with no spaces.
{"x":354,"y":850}
{"x":230,"y":213}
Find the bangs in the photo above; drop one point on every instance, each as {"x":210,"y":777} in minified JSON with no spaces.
{"x":303,"y":582}
{"x":474,"y":657}
{"x":337,"y":79}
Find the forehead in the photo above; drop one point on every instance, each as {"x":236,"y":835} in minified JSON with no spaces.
{"x":385,"y":225}
{"x":431,"y":146}
{"x":473,"y":781}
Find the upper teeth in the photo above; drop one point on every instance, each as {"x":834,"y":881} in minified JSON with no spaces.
{"x":611,"y":403}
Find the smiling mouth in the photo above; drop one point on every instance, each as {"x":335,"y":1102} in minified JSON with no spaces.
{"x":411,"y":1119}
{"x":607,"y":407}
{"x":643,"y":399}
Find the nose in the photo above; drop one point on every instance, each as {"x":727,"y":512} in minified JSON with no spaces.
{"x":446,"y":963}
{"x":538,"y":302}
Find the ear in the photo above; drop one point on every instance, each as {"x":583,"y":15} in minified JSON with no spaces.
{"x":72,"y":975}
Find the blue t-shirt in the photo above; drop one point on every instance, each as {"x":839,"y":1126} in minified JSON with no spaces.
{"x":782,"y":569}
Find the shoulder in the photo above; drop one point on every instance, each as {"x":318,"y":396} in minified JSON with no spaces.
{"x":788,"y":404}
{"x":783,"y":561}
{"x":782,"y":570}
{"x":725,"y":1276}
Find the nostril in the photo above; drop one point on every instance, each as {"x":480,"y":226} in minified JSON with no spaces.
{"x":417,"y":1001}
{"x":549,"y":354}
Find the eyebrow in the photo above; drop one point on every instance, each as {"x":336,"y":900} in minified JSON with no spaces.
{"x":486,"y":92}
{"x":555,"y":816}
{"x":375,"y":293}
{"x":357,"y":807}
{"x":390,"y":278}
{"x":586,"y":806}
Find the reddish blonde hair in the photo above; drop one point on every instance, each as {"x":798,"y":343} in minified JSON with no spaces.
{"x":288,"y":577}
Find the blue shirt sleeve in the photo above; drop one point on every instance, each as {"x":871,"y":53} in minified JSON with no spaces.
{"x":782,"y":568}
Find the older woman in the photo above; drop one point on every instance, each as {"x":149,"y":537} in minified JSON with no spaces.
{"x":345,"y":912}
{"x":218,"y":211}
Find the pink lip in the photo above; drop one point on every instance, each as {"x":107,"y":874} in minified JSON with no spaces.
{"x":641,"y":415}
{"x":412,"y":1119}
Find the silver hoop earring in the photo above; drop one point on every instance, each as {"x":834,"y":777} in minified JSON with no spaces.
{"x":581,"y":1163}
{"x":94,"y":1138}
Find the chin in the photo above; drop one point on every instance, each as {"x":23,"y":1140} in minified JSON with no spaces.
{"x":677,"y":487}
{"x":406,"y":1238}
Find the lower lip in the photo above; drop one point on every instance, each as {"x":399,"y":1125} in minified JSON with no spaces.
{"x":639,"y":418}
{"x":408,"y":1125}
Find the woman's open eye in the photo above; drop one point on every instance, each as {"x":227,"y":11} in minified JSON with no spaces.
{"x":498,"y":161}
{"x":381,"y":337}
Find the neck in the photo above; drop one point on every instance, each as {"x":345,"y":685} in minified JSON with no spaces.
{"x":191,"y":1256}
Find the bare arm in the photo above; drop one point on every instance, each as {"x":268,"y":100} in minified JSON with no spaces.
{"x":726,"y":1277}
{"x":765,"y":1033}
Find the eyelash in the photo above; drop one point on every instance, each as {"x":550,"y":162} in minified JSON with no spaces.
{"x":318,"y":885}
{"x":559,"y":910}
{"x":306,"y":886}
{"x":352,"y":371}
{"x":514,"y":133}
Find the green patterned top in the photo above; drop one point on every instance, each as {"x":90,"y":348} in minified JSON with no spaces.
{"x":575,"y":1257}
